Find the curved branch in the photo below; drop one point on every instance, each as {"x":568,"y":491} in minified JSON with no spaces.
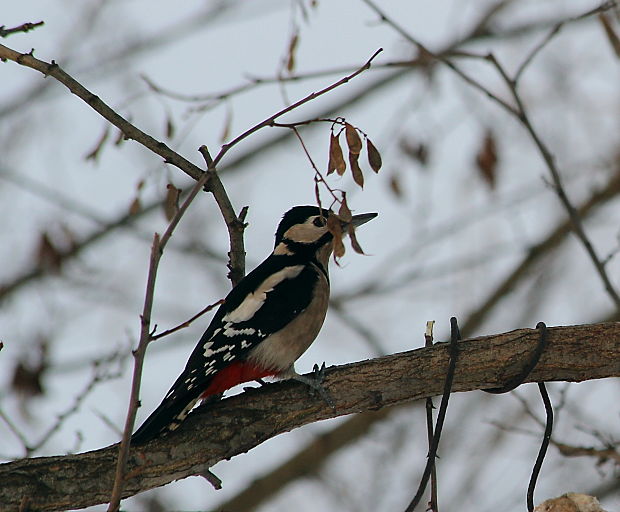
{"x":240,"y":423}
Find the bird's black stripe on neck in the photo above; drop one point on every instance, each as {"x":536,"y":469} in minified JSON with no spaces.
{"x":307,"y":252}
{"x":318,"y":264}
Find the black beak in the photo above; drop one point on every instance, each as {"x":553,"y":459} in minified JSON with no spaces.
{"x":360,"y":219}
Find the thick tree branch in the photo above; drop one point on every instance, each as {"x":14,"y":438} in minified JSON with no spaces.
{"x":238,"y":424}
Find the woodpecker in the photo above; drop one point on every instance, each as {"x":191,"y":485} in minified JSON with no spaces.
{"x":266,"y":322}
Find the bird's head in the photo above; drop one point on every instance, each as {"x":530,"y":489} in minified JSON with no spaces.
{"x":304,"y":231}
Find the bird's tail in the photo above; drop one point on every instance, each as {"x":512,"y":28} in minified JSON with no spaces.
{"x":166,"y":418}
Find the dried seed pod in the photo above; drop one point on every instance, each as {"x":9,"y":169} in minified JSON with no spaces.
{"x":358,"y":177}
{"x":336,"y":159}
{"x":374,"y":157}
{"x":353,"y":139}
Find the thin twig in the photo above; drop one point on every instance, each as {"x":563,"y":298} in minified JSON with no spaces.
{"x":188,"y":322}
{"x":432,"y":505}
{"x":558,"y":184}
{"x":156,"y":252}
{"x":455,"y":337}
{"x":132,"y":132}
{"x":129,"y":130}
{"x":577,"y":353}
{"x":98,"y":377}
{"x":145,"y":337}
{"x":476,"y":34}
{"x":312,"y":96}
{"x":319,"y":177}
{"x":212,"y":478}
{"x":554,"y":30}
{"x":24,"y":27}
{"x":16,"y":432}
{"x":212,"y":99}
{"x":519,"y":112}
{"x":234,"y":224}
{"x":603,"y":454}
{"x":543,"y":447}
{"x":440,"y":58}
{"x":535,"y":51}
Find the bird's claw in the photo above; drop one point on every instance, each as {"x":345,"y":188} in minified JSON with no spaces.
{"x":315,"y":384}
{"x":318,"y":372}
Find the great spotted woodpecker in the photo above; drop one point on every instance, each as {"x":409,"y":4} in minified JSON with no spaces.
{"x":266,"y":322}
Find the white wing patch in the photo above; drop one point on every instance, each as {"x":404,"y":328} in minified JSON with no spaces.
{"x":210,"y":352}
{"x":229,"y":331}
{"x":253,"y":302}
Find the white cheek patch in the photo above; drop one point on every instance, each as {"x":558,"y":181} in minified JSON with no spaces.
{"x":305,"y":233}
{"x":253,"y":302}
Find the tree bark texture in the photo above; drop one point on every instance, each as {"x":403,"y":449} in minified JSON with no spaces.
{"x":238,"y":424}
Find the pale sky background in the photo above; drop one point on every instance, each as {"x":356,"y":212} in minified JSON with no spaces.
{"x":454,"y":232}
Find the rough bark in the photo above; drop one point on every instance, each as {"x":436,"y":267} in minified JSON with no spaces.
{"x":240,"y":423}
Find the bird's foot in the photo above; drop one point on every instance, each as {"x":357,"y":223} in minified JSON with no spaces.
{"x":260,"y":381}
{"x":315,"y":383}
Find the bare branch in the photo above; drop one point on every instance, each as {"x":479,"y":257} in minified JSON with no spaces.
{"x":24,"y":27}
{"x":235,"y":225}
{"x":274,"y":482}
{"x":240,"y":423}
{"x":409,"y":66}
{"x":187,"y":322}
{"x":438,"y":56}
{"x":549,"y":160}
{"x":145,"y":337}
{"x":520,"y":113}
{"x":603,"y":454}
{"x":129,"y":130}
{"x":268,"y":121}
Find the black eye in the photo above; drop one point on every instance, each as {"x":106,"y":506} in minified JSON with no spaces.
{"x":319,"y":222}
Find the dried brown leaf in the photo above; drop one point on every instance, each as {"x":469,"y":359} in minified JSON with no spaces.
{"x":317,"y":194}
{"x":486,"y":159}
{"x":170,"y":129}
{"x":354,"y":243}
{"x":374,"y":157}
{"x":26,"y":381}
{"x":49,"y":257}
{"x":336,"y":158}
{"x":353,"y":139}
{"x":227,"y":125}
{"x":417,"y":151}
{"x":28,"y":373}
{"x":171,"y":204}
{"x":612,"y":37}
{"x":292,"y":49}
{"x":335,"y":228}
{"x":135,"y":206}
{"x":358,"y":177}
{"x":120,"y":138}
{"x":70,"y":240}
{"x":395,"y":186}
{"x":344,"y":212}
